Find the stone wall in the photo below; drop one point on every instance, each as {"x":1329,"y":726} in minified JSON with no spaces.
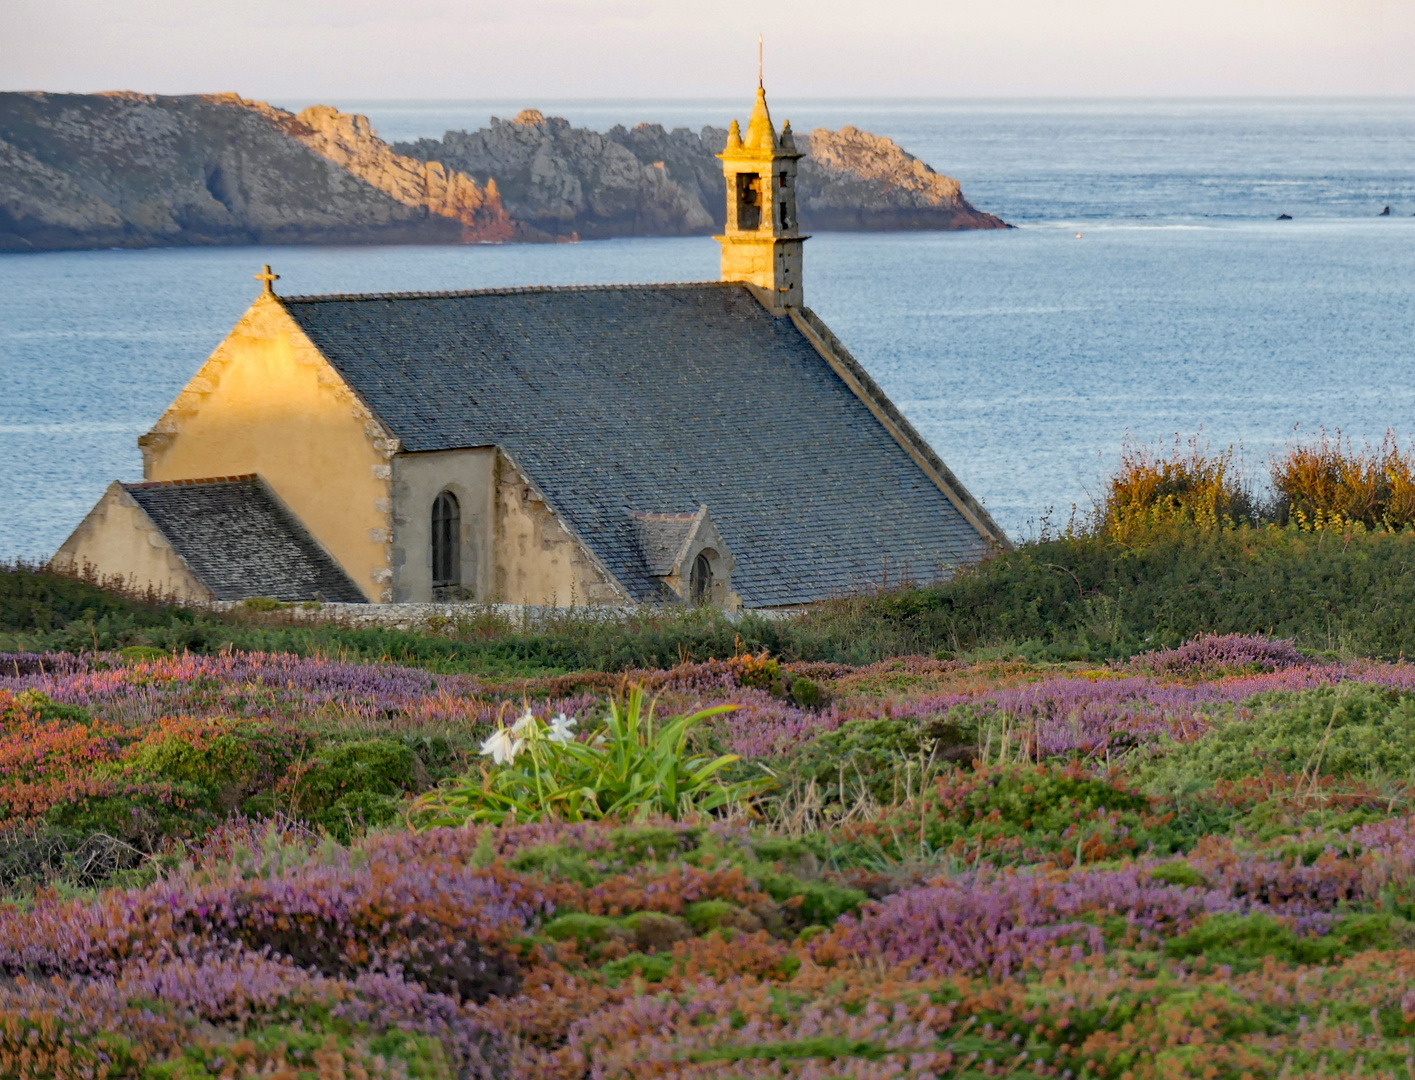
{"x":537,"y":559}
{"x":121,"y":545}
{"x":268,"y":402}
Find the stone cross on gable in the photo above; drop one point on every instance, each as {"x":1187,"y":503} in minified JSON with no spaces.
{"x":268,"y":278}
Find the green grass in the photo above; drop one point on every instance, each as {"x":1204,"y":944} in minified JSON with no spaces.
{"x":1347,"y":731}
{"x":1074,"y":598}
{"x":1087,"y":597}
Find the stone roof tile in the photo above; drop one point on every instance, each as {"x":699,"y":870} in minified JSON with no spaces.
{"x":655,"y":398}
{"x":240,"y":540}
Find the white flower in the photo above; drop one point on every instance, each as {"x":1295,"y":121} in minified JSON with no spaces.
{"x":560,"y":729}
{"x":502,"y":747}
{"x":525,"y":727}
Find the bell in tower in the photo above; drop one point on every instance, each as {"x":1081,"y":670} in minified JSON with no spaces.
{"x":761,"y":245}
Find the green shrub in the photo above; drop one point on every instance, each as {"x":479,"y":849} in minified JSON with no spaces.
{"x":48,"y":710}
{"x":647,"y":843}
{"x":651,"y":969}
{"x":810,"y":901}
{"x":586,"y":930}
{"x":553,"y":860}
{"x":1077,"y":597}
{"x":357,"y":811}
{"x":352,"y":783}
{"x":43,"y":855}
{"x":864,"y":753}
{"x":1094,"y":599}
{"x":223,"y":766}
{"x":147,"y":813}
{"x":1007,"y":816}
{"x":1349,"y":730}
{"x":137,"y":653}
{"x":1244,"y":941}
{"x":644,"y":931}
{"x":808,"y":694}
{"x":1178,"y":873}
{"x":705,"y":915}
{"x":635,"y":767}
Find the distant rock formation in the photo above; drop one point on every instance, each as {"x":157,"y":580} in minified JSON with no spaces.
{"x":560,"y":180}
{"x":138,"y":170}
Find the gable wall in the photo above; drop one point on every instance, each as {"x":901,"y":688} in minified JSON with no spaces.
{"x":267,"y":402}
{"x":117,"y":540}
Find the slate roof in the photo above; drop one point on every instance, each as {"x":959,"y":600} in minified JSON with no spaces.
{"x":661,"y":539}
{"x":655,"y":398}
{"x":240,"y":540}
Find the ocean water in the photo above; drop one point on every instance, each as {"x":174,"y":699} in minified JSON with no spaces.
{"x":1025,"y":357}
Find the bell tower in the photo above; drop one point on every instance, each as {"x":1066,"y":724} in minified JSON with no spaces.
{"x":761,"y":244}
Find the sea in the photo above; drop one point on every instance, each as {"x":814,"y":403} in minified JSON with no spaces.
{"x":1148,"y":293}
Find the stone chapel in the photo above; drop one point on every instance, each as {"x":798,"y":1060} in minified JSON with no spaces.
{"x":706,"y":442}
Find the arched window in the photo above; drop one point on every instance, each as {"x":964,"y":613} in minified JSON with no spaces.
{"x":446,"y":543}
{"x":700,"y":581}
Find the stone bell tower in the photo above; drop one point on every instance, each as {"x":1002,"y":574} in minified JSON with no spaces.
{"x":761,"y":245}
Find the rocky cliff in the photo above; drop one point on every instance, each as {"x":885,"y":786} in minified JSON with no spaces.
{"x":135,"y":170}
{"x":130,"y":170}
{"x":561,"y":180}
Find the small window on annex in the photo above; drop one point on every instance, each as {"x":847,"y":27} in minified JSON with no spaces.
{"x":446,"y":546}
{"x":700,"y":580}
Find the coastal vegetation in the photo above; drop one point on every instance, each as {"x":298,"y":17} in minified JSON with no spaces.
{"x":1132,"y":801}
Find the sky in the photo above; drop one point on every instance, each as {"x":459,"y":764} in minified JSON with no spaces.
{"x":312,"y":49}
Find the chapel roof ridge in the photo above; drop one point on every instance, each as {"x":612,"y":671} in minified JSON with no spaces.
{"x":510,"y":290}
{"x":239,"y":478}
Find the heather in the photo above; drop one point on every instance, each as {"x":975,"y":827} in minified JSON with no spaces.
{"x":1194,"y":861}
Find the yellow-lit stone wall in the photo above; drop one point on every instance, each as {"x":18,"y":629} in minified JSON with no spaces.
{"x":267,"y":402}
{"x":774,"y":266}
{"x":119,"y":543}
{"x":761,"y":244}
{"x":535,"y":558}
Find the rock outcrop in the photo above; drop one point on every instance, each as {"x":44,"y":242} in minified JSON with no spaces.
{"x":854,"y":180}
{"x":137,"y":170}
{"x":562,"y":181}
{"x":133,"y":170}
{"x":350,"y":143}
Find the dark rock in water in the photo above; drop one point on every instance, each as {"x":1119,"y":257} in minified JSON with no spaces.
{"x":1384,"y":213}
{"x":1284,"y":217}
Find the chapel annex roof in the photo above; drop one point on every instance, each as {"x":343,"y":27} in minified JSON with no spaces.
{"x":632,"y":399}
{"x":240,"y":541}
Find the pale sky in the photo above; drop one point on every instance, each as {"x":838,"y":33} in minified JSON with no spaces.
{"x":311,"y":49}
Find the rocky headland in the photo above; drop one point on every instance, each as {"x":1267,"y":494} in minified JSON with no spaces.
{"x":137,"y":170}
{"x":563,"y":180}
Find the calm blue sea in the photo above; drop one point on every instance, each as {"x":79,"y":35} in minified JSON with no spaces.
{"x":1025,"y":357}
